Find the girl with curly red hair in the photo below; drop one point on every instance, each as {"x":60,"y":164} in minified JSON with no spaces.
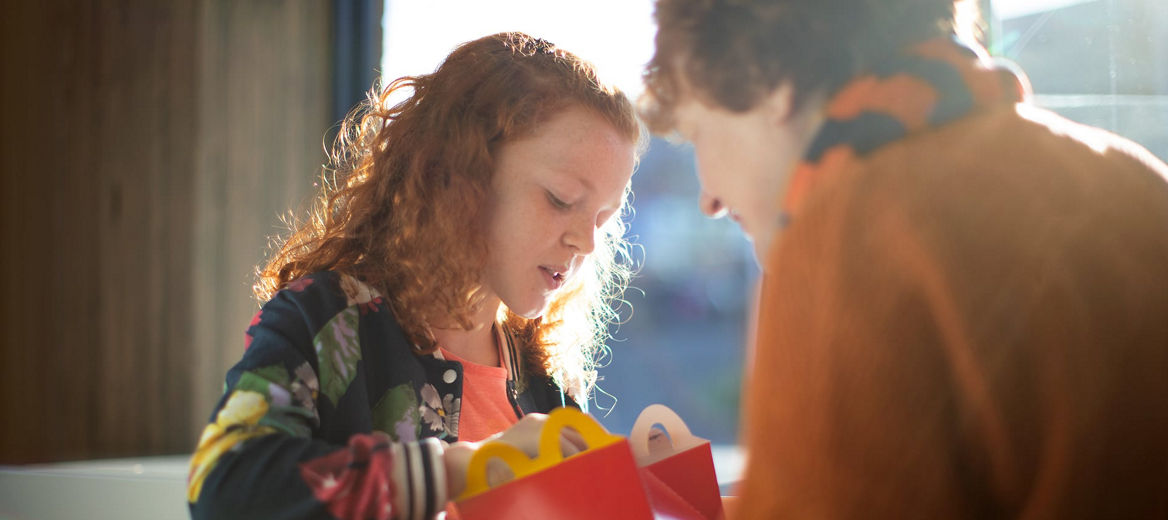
{"x":454,"y":278}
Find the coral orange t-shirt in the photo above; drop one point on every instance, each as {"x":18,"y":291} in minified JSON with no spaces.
{"x":485,"y":408}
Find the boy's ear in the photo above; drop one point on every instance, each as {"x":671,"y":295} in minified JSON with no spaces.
{"x":778,"y":103}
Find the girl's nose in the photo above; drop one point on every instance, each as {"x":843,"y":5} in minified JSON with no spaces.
{"x":711,"y":206}
{"x":582,"y":241}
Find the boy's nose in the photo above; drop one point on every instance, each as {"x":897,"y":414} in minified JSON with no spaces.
{"x":711,"y":206}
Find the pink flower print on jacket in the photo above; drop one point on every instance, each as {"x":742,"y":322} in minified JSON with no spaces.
{"x":247,"y":335}
{"x":353,"y":482}
{"x":370,"y":306}
{"x":299,"y":284}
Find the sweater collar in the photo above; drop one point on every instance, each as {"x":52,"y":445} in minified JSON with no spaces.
{"x":930,"y":84}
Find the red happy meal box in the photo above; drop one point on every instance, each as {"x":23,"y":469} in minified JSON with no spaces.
{"x":684,"y":466}
{"x":604,"y":481}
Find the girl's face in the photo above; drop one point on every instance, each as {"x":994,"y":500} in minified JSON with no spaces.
{"x":551,"y":192}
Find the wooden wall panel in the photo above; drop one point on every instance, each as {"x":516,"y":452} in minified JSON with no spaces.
{"x":88,"y":111}
{"x":147,"y":149}
{"x":145,"y":109}
{"x":264,"y":107}
{"x":32,"y":176}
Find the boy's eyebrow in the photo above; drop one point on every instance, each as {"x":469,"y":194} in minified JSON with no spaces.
{"x":587,"y":183}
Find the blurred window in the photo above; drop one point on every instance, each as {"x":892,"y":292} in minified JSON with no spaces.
{"x":1099,"y":62}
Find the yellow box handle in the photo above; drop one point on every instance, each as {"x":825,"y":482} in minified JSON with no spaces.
{"x":549,"y":449}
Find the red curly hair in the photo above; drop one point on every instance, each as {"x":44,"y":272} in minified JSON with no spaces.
{"x":402,"y":203}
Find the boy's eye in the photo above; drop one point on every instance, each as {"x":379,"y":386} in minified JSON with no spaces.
{"x":556,"y":201}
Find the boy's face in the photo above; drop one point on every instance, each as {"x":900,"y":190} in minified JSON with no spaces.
{"x":743,"y":160}
{"x":551,"y":193}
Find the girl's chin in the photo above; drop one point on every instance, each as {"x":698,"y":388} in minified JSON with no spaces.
{"x":533,"y":314}
{"x":530,"y":310}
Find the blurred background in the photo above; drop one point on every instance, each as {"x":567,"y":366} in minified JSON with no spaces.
{"x":150,"y":148}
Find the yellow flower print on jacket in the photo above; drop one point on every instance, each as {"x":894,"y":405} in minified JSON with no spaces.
{"x":235,"y":423}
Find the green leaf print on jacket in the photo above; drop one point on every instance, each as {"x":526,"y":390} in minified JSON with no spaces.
{"x":397,"y":414}
{"x":289,"y":397}
{"x":262,"y":380}
{"x":338,"y":351}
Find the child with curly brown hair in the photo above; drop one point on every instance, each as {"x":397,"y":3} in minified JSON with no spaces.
{"x":964,"y":306}
{"x":455,"y":276}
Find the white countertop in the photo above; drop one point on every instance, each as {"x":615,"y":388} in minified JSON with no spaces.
{"x":152,"y":487}
{"x":148,"y":487}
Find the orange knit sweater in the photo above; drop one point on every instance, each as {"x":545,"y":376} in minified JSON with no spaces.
{"x":971,"y":322}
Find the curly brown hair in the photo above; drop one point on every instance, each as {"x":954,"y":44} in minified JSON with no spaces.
{"x":402,"y":206}
{"x":732,"y":53}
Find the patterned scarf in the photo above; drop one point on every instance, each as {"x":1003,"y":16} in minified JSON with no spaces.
{"x":935,"y":82}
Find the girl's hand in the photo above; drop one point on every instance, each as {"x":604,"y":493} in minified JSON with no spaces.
{"x":523,"y":435}
{"x":456,"y":458}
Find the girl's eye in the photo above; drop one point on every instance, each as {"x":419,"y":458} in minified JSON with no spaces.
{"x":557,"y":202}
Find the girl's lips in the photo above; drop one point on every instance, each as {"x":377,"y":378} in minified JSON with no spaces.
{"x":554,"y":279}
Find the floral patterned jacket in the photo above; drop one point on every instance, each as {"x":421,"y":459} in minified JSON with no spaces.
{"x":328,"y":395}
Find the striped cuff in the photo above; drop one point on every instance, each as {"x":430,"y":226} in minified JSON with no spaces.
{"x":419,"y":479}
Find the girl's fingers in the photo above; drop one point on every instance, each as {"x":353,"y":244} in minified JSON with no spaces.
{"x":571,"y":442}
{"x":525,"y":435}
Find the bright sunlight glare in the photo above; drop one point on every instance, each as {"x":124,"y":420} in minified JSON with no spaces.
{"x":615,"y":35}
{"x":1015,"y":8}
